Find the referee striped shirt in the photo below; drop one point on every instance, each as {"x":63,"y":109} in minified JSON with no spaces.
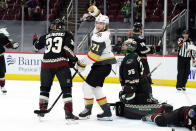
{"x":183,"y":50}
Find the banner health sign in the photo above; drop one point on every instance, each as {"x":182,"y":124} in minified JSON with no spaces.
{"x":27,"y":66}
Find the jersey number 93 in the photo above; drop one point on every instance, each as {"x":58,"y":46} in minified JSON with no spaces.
{"x":56,"y":47}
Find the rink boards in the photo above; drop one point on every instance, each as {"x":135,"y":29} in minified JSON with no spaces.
{"x":26,"y":66}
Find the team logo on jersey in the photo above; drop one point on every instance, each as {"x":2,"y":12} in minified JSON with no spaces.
{"x":129,"y":61}
{"x":10,"y":60}
{"x":99,"y":34}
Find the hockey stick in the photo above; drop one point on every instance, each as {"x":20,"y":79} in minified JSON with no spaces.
{"x":171,"y":16}
{"x":47,"y":111}
{"x":149,"y":74}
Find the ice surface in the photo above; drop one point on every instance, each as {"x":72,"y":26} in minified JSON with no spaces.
{"x":16,"y":109}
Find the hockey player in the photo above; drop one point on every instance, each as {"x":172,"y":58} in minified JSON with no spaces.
{"x":135,"y":84}
{"x":182,"y":117}
{"x":102,"y":58}
{"x":135,"y":99}
{"x":4,"y":42}
{"x":58,"y":58}
{"x":142,"y":50}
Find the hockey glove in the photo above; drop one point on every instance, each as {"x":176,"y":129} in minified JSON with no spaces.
{"x":129,"y":92}
{"x":157,"y":48}
{"x":80,"y":66}
{"x":72,"y":62}
{"x":15,"y":45}
{"x":193,"y":128}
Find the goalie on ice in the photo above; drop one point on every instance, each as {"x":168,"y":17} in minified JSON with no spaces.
{"x":135,"y":98}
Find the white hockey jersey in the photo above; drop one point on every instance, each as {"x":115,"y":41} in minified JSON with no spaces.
{"x":101,"y":49}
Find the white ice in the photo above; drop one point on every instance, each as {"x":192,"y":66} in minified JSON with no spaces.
{"x":16,"y":109}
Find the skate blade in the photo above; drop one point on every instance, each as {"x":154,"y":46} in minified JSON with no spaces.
{"x":71,"y":122}
{"x":84,"y":118}
{"x":105,"y":119}
{"x":4,"y":92}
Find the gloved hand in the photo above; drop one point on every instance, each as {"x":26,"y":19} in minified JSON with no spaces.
{"x":129,"y":92}
{"x":193,"y":128}
{"x":80,"y":66}
{"x":72,"y":61}
{"x":93,"y":11}
{"x":35,"y":36}
{"x":15,"y":45}
{"x":158,"y":48}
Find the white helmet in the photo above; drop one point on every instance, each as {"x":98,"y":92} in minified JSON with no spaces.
{"x":4,"y":31}
{"x":102,"y":18}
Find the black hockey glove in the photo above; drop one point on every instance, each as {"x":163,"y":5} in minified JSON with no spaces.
{"x":128,"y":88}
{"x":129,"y":92}
{"x":72,"y":61}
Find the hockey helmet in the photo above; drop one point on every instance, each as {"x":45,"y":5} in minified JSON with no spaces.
{"x":131,"y":43}
{"x":185,"y":32}
{"x":57,"y":24}
{"x":192,"y":112}
{"x":137,"y":26}
{"x":102,"y":18}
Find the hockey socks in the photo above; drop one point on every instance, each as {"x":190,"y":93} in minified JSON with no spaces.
{"x":68,"y":109}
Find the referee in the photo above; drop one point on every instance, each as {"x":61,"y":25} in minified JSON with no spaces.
{"x":184,"y":57}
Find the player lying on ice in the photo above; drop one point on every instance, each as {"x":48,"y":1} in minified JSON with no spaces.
{"x":101,"y":57}
{"x":182,"y":117}
{"x":135,"y":99}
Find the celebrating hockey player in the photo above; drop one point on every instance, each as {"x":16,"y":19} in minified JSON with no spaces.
{"x":4,"y":42}
{"x":142,"y":50}
{"x":102,"y":58}
{"x":182,"y":117}
{"x":58,"y":58}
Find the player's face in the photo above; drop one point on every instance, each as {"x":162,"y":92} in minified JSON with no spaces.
{"x":185,"y":36}
{"x":124,"y":47}
{"x":100,"y":26}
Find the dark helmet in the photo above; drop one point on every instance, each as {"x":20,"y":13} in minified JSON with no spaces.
{"x":192,"y":112}
{"x":57,"y":24}
{"x":137,"y":26}
{"x":185,"y":32}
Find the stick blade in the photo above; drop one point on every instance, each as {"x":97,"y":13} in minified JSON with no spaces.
{"x":41,"y":111}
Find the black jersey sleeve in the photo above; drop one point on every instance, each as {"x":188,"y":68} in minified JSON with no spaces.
{"x":69,"y":45}
{"x":4,"y":41}
{"x":39,"y":44}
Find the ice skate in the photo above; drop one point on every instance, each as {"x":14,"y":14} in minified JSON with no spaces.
{"x":71,"y":119}
{"x":3,"y":90}
{"x":85,"y":114}
{"x":106,"y":115}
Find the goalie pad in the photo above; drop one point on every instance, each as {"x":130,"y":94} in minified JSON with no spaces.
{"x":132,"y":111}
